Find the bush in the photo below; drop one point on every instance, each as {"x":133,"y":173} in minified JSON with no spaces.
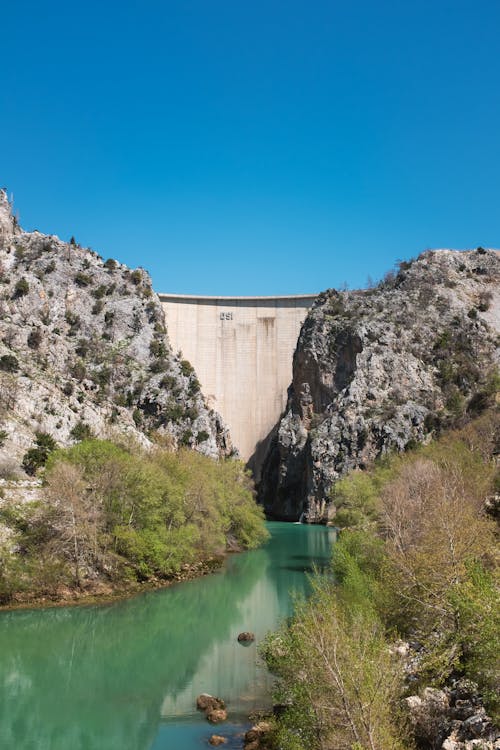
{"x":186,"y":437}
{"x":21,"y":288}
{"x":68,"y":389}
{"x":110,"y":264}
{"x":35,"y":338}
{"x":158,"y":365}
{"x":73,"y":320}
{"x":78,"y":370}
{"x":37,"y":456}
{"x":157,"y":348}
{"x":187,"y":368}
{"x":83,"y":279}
{"x":99,"y":292}
{"x":338,"y":681}
{"x":81,"y":431}
{"x":9,"y":363}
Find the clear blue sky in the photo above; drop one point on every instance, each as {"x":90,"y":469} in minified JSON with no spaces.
{"x":235,"y":147}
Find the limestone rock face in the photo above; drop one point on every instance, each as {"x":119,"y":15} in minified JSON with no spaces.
{"x":381,"y":369}
{"x":83,"y":345}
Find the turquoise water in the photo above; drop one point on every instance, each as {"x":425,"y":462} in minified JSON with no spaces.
{"x":125,"y":676}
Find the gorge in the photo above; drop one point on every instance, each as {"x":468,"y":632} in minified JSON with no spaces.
{"x":122,"y":414}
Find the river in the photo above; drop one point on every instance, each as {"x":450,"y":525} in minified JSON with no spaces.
{"x":125,"y":676}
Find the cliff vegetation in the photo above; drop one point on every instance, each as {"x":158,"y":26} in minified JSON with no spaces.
{"x":399,"y":649}
{"x":84,"y":351}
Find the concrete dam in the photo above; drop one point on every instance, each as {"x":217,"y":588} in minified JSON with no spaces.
{"x":242,"y":350}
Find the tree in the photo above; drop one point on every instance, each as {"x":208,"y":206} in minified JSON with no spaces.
{"x":339,"y":678}
{"x":73,"y":516}
{"x":36,"y":457}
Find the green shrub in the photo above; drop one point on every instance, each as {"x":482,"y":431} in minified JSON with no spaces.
{"x":68,"y":389}
{"x":78,"y":370}
{"x":158,"y":365}
{"x":81,"y":431}
{"x":100,"y":291}
{"x":157,"y":348}
{"x":9,"y":363}
{"x":186,"y":437}
{"x":83,"y":279}
{"x":73,"y":320}
{"x":21,"y":288}
{"x":187,"y":368}
{"x":37,"y":456}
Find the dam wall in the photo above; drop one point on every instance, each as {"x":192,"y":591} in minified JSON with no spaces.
{"x":242,"y":350}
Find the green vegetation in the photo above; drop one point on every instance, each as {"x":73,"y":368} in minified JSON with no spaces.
{"x":81,"y":431}
{"x":119,"y":516}
{"x":36,"y":457}
{"x":83,"y":279}
{"x":187,"y":368}
{"x":136,"y":276}
{"x":9,"y":363}
{"x":21,"y":288}
{"x":416,"y":559}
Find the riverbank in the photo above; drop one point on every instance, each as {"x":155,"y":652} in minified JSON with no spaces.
{"x":104,"y":593}
{"x":108,"y":519}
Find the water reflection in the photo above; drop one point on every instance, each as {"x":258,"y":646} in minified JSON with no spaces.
{"x":103,"y":677}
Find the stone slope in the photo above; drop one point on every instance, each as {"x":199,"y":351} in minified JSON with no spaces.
{"x":83,"y":345}
{"x":382,"y":369}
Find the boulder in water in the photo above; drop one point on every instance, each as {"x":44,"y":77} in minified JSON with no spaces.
{"x":216,"y":715}
{"x":246,"y":637}
{"x":206,"y":702}
{"x":217,"y":740}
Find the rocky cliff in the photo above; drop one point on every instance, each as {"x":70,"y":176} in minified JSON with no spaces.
{"x":84,"y":350}
{"x":381,"y":369}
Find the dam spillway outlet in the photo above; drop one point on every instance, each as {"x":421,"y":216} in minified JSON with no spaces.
{"x":242,"y":350}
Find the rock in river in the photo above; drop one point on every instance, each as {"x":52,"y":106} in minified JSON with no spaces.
{"x":246,"y":637}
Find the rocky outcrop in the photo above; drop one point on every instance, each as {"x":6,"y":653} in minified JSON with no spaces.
{"x":84,"y":350}
{"x":452,"y":718}
{"x":380,"y":370}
